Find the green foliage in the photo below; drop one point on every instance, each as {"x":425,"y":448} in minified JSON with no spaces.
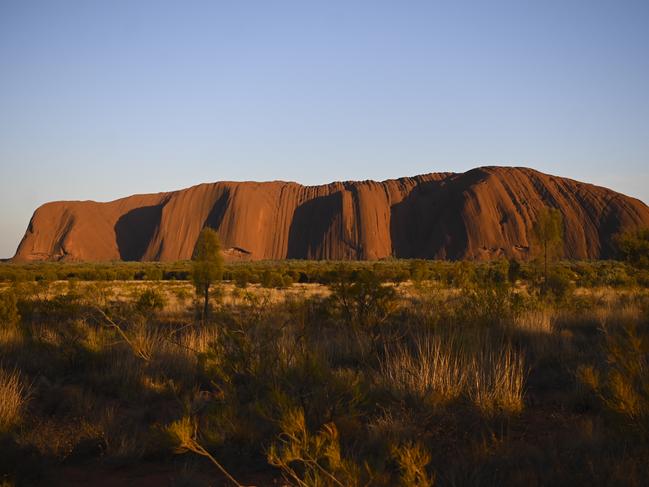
{"x":207,"y":261}
{"x":273,"y":279}
{"x":364,"y":305}
{"x":633,"y":247}
{"x":489,"y":306}
{"x":181,"y":295}
{"x":287,"y":281}
{"x":150,"y":300}
{"x":274,"y":274}
{"x":418,"y":271}
{"x":548,"y":231}
{"x":603,"y":273}
{"x":560,"y":284}
{"x":207,"y":265}
{"x":9,"y":314}
{"x":462,"y":275}
{"x":497,"y":273}
{"x":363,"y":300}
{"x":514,"y":271}
{"x":242,"y":278}
{"x":547,"y":234}
{"x":153,"y":274}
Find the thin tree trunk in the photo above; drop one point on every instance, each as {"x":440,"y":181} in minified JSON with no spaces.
{"x":206,"y":303}
{"x":545,"y":272}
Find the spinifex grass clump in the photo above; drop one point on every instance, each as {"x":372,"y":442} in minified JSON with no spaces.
{"x":621,"y":381}
{"x":13,"y":396}
{"x":440,"y":371}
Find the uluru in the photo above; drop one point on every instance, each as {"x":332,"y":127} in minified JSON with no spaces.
{"x":484,"y":213}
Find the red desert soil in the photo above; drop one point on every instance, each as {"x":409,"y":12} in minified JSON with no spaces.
{"x":480,"y":214}
{"x":145,"y":475}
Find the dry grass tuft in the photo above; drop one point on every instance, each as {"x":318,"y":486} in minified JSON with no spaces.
{"x":539,"y":321}
{"x":437,"y":369}
{"x":13,"y":396}
{"x":498,"y":381}
{"x":412,"y":459}
{"x":432,"y":368}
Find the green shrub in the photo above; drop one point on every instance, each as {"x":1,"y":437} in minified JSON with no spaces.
{"x":272,"y":279}
{"x":362,"y":299}
{"x":560,"y":284}
{"x":495,"y":273}
{"x":514,"y":271}
{"x":242,"y":278}
{"x":266,"y":279}
{"x":633,"y":247}
{"x":462,"y":275}
{"x":621,"y":381}
{"x":182,"y":295}
{"x":153,"y":274}
{"x":150,"y":300}
{"x":418,"y":271}
{"x":9,"y":314}
{"x":488,"y":306}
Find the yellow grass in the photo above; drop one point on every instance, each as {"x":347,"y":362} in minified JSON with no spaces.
{"x":493,"y":379}
{"x":13,"y":396}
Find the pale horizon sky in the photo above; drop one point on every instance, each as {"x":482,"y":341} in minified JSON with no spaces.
{"x":100,"y":100}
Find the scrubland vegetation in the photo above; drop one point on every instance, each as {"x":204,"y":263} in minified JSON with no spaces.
{"x":280,"y":274}
{"x":408,"y":373}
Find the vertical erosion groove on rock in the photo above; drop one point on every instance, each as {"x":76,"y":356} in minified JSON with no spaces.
{"x":481,"y":214}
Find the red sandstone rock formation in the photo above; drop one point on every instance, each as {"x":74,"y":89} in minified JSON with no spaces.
{"x":484,"y":213}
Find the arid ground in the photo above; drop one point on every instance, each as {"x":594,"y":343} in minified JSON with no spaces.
{"x":397,"y":373}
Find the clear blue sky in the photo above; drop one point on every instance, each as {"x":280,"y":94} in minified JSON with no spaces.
{"x":102,"y":99}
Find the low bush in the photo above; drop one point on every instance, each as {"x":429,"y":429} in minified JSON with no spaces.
{"x":9,"y":314}
{"x":150,"y":300}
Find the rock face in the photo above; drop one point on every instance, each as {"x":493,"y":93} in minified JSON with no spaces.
{"x":483,"y":213}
